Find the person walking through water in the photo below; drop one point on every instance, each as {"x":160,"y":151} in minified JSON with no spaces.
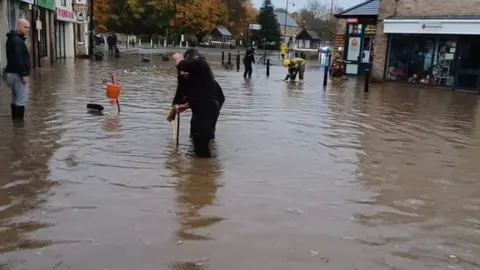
{"x":182,"y":90}
{"x":201,"y":99}
{"x":18,"y":68}
{"x":248,"y":59}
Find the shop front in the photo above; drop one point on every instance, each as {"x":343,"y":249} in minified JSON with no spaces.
{"x":64,"y":33}
{"x":359,"y":45}
{"x":434,"y":51}
{"x":81,"y":32}
{"x":41,"y":29}
{"x":359,"y":37}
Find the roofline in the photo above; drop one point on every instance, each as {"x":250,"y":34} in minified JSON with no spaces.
{"x":287,"y":14}
{"x":354,"y":7}
{"x":355,"y":16}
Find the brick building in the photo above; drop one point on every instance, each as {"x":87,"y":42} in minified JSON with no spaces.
{"x":430,"y":42}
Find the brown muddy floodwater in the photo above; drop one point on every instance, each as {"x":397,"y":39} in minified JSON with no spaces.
{"x":301,"y":178}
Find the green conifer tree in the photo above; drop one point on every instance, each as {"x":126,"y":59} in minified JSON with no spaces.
{"x":270,"y":28}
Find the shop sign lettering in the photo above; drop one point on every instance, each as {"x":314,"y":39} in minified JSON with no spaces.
{"x":370,"y":30}
{"x":352,"y":20}
{"x":431,"y":25}
{"x":65,"y":15}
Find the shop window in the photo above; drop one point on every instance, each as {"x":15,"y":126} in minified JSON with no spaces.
{"x":64,"y":3}
{"x":442,"y":70}
{"x":421,"y":60}
{"x":398,"y":59}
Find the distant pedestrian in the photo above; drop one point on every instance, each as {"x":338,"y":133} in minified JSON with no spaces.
{"x":112,"y":43}
{"x":283,"y":50}
{"x":18,"y":68}
{"x":248,"y":59}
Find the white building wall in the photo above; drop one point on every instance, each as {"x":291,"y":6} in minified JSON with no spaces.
{"x":69,"y":41}
{"x":66,"y":5}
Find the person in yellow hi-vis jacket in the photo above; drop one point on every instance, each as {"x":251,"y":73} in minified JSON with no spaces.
{"x":283,"y":50}
{"x":295,"y":66}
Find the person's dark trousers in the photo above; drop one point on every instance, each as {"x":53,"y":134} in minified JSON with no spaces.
{"x":202,"y":132}
{"x":215,"y":122}
{"x":110,"y":49}
{"x":248,"y":69}
{"x":191,"y":128}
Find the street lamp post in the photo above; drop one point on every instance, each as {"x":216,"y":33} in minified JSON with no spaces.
{"x":285,"y":22}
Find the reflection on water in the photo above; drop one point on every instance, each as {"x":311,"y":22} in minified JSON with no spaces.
{"x":302,"y":178}
{"x":196,"y":189}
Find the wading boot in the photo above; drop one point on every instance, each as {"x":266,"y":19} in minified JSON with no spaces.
{"x":13,"y":110}
{"x":20,"y":112}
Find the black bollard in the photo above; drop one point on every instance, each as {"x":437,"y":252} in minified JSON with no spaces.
{"x":229,"y":58}
{"x":367,"y":80}
{"x":223,"y":57}
{"x":268,"y":67}
{"x":238,"y":62}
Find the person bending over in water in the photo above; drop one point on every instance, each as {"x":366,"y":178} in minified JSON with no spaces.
{"x":295,"y":66}
{"x":183,"y":85}
{"x":201,"y":99}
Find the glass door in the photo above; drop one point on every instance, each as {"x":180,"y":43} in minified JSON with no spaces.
{"x":468,"y":64}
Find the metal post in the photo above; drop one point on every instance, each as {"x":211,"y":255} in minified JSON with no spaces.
{"x":367,"y":80}
{"x":285,"y":23}
{"x":91,"y":40}
{"x":223,"y":57}
{"x":229,"y":58}
{"x":326,"y":69}
{"x":268,"y":67}
{"x":238,"y":62}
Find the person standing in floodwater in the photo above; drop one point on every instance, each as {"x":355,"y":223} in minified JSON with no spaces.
{"x":18,"y":68}
{"x":182,"y":90}
{"x":248,"y":59}
{"x":201,"y":99}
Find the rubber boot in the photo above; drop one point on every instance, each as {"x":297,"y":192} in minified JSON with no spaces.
{"x":13,"y":109}
{"x":201,"y":147}
{"x":20,"y":112}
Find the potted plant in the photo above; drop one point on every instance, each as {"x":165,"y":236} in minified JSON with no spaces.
{"x":98,"y":52}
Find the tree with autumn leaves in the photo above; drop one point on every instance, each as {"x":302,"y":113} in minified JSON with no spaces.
{"x":197,"y":17}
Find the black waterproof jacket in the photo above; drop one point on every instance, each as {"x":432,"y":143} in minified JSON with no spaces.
{"x":18,"y":57}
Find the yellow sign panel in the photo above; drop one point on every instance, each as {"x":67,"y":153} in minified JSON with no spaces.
{"x":371,"y":29}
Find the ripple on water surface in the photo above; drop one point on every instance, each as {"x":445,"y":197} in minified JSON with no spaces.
{"x":302,"y":178}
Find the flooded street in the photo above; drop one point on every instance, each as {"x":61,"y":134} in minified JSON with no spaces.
{"x":302,"y":179}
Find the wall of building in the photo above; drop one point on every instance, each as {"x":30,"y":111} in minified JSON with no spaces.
{"x":3,"y":29}
{"x":69,"y":41}
{"x":291,"y":31}
{"x":341,"y":26}
{"x":414,"y":8}
{"x":437,"y":7}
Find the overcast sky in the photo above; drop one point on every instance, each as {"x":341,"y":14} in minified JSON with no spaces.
{"x":301,"y":3}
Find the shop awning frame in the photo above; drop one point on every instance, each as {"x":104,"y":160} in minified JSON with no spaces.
{"x":462,"y":25}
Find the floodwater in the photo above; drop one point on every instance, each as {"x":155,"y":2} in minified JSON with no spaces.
{"x":301,"y":179}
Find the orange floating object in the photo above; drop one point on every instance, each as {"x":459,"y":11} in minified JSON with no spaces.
{"x":113,"y":91}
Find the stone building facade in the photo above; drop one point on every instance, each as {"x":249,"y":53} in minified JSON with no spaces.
{"x":429,"y":42}
{"x":416,"y":9}
{"x":289,"y":28}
